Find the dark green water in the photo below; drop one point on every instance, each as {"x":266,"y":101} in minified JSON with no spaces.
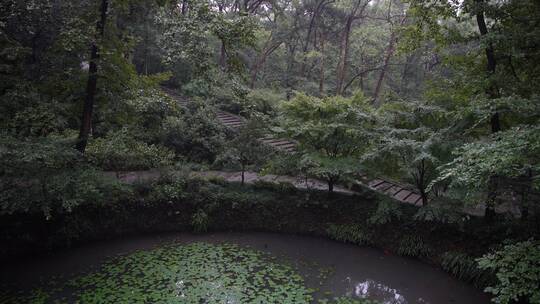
{"x":228,"y":268}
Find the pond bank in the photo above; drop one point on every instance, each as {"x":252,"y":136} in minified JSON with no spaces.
{"x":201,"y":205}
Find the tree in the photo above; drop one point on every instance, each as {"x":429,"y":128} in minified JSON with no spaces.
{"x":355,"y":12}
{"x":47,"y":176}
{"x":390,"y":49}
{"x":509,"y":156}
{"x":332,"y":133}
{"x":409,"y":143}
{"x":517,"y":270}
{"x":187,"y":38}
{"x":246,"y":151}
{"x":488,"y":76}
{"x":91,"y":87}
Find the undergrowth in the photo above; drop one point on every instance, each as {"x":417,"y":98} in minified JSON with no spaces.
{"x":465,"y":268}
{"x":350,"y":233}
{"x":413,"y":246}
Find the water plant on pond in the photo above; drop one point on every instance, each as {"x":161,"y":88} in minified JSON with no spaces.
{"x":194,"y":273}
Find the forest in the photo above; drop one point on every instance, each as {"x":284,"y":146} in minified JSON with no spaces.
{"x":176,"y":151}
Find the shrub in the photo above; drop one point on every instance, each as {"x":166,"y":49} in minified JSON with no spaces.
{"x":281,"y":187}
{"x":196,"y":192}
{"x":197,"y":135}
{"x":197,"y":87}
{"x":350,"y":233}
{"x":263,"y":101}
{"x":49,"y":176}
{"x":149,"y":110}
{"x":517,"y":268}
{"x":413,"y":246}
{"x":168,"y":191}
{"x":227,"y":100}
{"x":230,"y":95}
{"x":200,"y":221}
{"x":121,"y":151}
{"x":465,"y":268}
{"x":387,"y":210}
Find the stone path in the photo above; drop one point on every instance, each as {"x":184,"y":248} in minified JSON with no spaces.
{"x":134,"y":177}
{"x":148,"y":176}
{"x":397,"y":191}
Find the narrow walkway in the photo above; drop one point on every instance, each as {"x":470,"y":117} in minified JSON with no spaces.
{"x":392,"y":189}
{"x":148,"y":176}
{"x":133,"y":177}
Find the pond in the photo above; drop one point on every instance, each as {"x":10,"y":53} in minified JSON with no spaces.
{"x":228,"y":268}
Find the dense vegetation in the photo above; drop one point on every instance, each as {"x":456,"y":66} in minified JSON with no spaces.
{"x":441,"y":96}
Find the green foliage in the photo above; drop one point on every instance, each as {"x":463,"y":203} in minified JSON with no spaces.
{"x":120,"y":151}
{"x":264,"y":101}
{"x":517,"y":268}
{"x":512,"y":153}
{"x":169,"y":190}
{"x":229,"y":94}
{"x":197,"y":135}
{"x":387,"y":211}
{"x":50,"y":177}
{"x":351,"y":233}
{"x":280,"y":187}
{"x":465,"y":268}
{"x":25,"y":112}
{"x":200,"y":194}
{"x":409,"y":143}
{"x":332,"y":133}
{"x":442,"y":211}
{"x":148,"y":111}
{"x":485,"y":96}
{"x":200,"y":221}
{"x":189,"y":37}
{"x":413,"y":246}
{"x":245,"y":151}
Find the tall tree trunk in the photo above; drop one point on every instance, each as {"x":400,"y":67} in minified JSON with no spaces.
{"x":321,"y":77}
{"x":243,"y":174}
{"x":344,"y":46}
{"x":261,"y":59}
{"x":389,"y":53}
{"x":223,"y":51}
{"x":420,"y":181}
{"x":316,"y":12}
{"x":223,"y":57}
{"x":291,"y":51}
{"x":331,"y":185}
{"x":492,"y":92}
{"x":91,"y":86}
{"x":344,"y":54}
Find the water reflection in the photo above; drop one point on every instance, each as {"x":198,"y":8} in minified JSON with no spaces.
{"x":374,"y":290}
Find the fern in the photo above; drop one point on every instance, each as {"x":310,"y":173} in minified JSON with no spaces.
{"x":413,"y":246}
{"x":465,"y":268}
{"x":350,"y":233}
